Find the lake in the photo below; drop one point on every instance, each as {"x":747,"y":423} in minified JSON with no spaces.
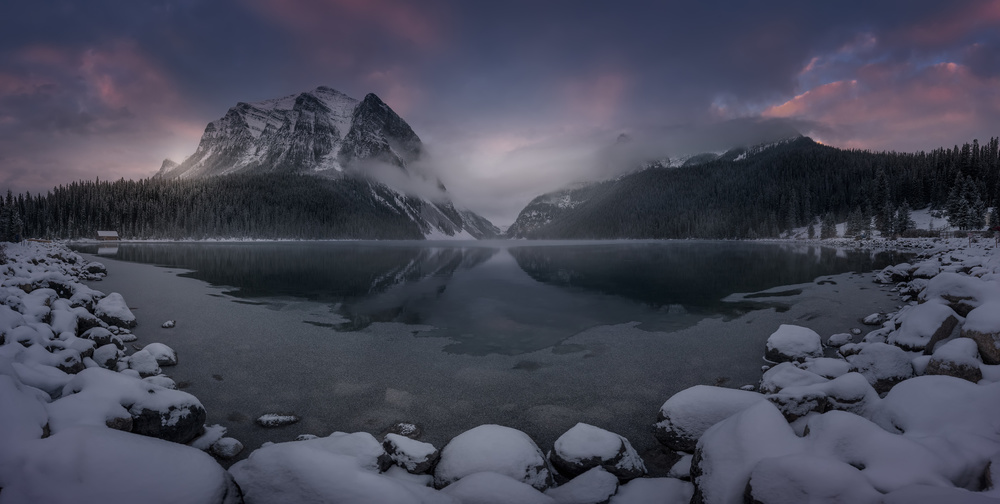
{"x":449,"y":335}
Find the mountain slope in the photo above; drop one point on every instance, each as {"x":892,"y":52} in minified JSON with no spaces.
{"x":748,"y":192}
{"x":326,"y":133}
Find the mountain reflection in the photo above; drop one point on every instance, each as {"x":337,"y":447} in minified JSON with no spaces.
{"x":508,"y":297}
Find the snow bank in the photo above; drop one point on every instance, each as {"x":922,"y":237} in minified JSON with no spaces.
{"x":96,"y":464}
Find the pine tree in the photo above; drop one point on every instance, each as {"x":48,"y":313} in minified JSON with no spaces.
{"x":903,"y":221}
{"x":829,"y":228}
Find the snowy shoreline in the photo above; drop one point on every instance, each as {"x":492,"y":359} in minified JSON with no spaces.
{"x":61,"y":416}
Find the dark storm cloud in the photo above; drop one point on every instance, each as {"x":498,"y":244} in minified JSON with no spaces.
{"x":513,"y":98}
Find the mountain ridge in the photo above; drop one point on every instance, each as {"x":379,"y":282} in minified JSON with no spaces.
{"x":326,"y":133}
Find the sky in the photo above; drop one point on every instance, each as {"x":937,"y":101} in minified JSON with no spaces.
{"x":511,"y":98}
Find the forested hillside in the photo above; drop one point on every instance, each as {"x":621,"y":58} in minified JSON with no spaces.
{"x":762,"y":193}
{"x":257,"y":206}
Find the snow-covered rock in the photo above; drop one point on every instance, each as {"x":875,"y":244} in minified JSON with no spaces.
{"x":592,"y":487}
{"x":169,"y":324}
{"x":226,"y":448}
{"x":340,"y":469}
{"x":107,"y":356}
{"x":144,"y":363}
{"x":961,"y":292}
{"x":839,"y":339}
{"x":924,"y":326}
{"x":585,"y":446}
{"x":113,"y":310}
{"x":959,"y":358}
{"x":654,"y":490}
{"x":803,"y":478}
{"x":95,"y":464}
{"x":101,"y":336}
{"x":729,"y":450}
{"x":787,"y":374}
{"x":101,"y":397}
{"x":494,"y":488}
{"x":874,"y":319}
{"x":164,"y":355}
{"x":850,"y":392}
{"x":827,"y":367}
{"x":415,"y":456}
{"x":983,"y":326}
{"x":493,"y":448}
{"x":689,"y":413}
{"x":883,"y":365}
{"x":276,"y":420}
{"x":793,"y":343}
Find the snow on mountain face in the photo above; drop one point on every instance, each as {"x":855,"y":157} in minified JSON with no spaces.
{"x":322,"y":132}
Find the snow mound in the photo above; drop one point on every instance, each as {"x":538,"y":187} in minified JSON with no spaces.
{"x":793,"y":343}
{"x":95,"y":464}
{"x":493,"y":448}
{"x":585,"y":446}
{"x":592,"y":487}
{"x":113,"y":310}
{"x":689,"y":413}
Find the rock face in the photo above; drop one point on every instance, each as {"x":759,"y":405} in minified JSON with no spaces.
{"x":493,"y":448}
{"x":585,"y":447}
{"x":793,"y":343}
{"x":326,"y":133}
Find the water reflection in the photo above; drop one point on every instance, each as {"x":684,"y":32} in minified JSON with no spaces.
{"x":505,"y":298}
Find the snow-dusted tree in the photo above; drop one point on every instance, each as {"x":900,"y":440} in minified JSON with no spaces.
{"x":829,"y":228}
{"x":857,"y":223}
{"x":903,"y":222}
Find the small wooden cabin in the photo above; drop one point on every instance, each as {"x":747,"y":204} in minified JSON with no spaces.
{"x":107,"y":236}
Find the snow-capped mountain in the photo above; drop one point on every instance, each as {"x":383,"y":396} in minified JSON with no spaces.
{"x":326,"y":133}
{"x":320,"y":130}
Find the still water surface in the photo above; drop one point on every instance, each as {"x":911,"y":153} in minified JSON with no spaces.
{"x":353,"y":336}
{"x":505,"y":297}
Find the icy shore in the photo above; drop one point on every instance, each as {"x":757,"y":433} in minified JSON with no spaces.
{"x":908,"y":410}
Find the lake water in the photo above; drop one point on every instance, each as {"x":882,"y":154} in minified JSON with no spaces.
{"x":535,"y":335}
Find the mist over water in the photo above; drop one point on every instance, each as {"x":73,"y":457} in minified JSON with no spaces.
{"x":353,"y":336}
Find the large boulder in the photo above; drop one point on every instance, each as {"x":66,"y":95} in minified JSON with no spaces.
{"x":793,"y":343}
{"x":923,"y":326}
{"x":728,"y":452}
{"x":850,"y":392}
{"x":339,"y":469}
{"x":164,"y":355}
{"x":883,"y":365}
{"x":585,"y":446}
{"x":961,"y":292}
{"x":493,"y":448}
{"x":804,"y":478}
{"x":113,"y":310}
{"x":787,"y":374}
{"x":983,"y":326}
{"x":689,"y":413}
{"x":959,"y":358}
{"x":100,"y":397}
{"x":95,"y":464}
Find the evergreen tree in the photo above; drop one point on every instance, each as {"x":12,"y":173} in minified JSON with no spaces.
{"x":828,"y":229}
{"x":903,"y":221}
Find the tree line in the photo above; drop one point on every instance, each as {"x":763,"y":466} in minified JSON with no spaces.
{"x":800,"y":183}
{"x":255,"y":206}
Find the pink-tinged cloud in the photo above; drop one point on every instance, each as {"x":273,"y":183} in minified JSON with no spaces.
{"x":953,"y":24}
{"x":332,"y":29}
{"x":108,"y":109}
{"x":900,"y":107}
{"x":594,"y":101}
{"x":396,"y":89}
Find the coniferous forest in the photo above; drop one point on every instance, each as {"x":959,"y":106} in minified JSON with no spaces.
{"x":761,"y":195}
{"x":795,"y":184}
{"x":257,"y":206}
